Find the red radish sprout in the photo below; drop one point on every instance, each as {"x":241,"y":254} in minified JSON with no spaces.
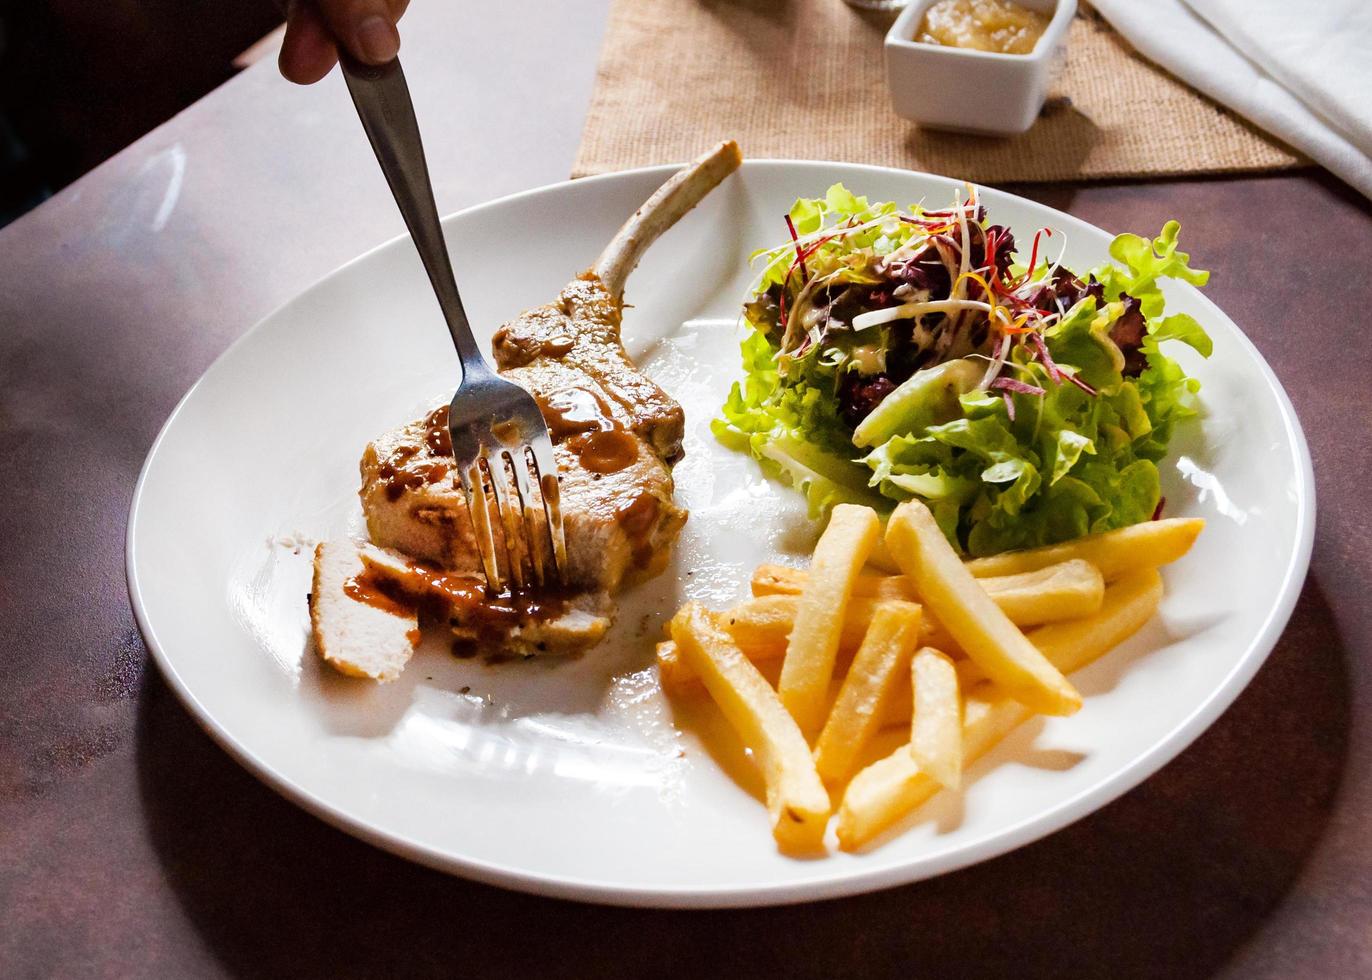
{"x":1081,"y":384}
{"x":1014,"y":384}
{"x":1049,"y":364}
{"x":1034,"y":253}
{"x":791,"y":227}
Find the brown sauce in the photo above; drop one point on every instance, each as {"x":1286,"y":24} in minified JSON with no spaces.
{"x":436,"y":434}
{"x":606,"y":452}
{"x":573,"y":411}
{"x":461,"y":600}
{"x":557,"y":345}
{"x":399,"y":475}
{"x":405,"y":470}
{"x":578,"y":419}
{"x":638,"y":518}
{"x":367,"y":590}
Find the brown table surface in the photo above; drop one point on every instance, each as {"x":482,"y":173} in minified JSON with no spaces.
{"x":131,"y":845}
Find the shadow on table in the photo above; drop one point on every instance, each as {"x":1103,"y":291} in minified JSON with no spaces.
{"x":1169,"y":881}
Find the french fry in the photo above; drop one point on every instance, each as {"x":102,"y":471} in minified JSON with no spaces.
{"x":890,"y":788}
{"x":885,"y":791}
{"x":772,"y":579}
{"x":895,"y":709}
{"x":1115,"y":553}
{"x":813,"y":645}
{"x":1129,"y":603}
{"x":896,"y":712}
{"x":857,"y":710}
{"x":936,"y":730}
{"x":948,"y":590}
{"x":672,"y":671}
{"x":1066,"y":590}
{"x":761,"y":627}
{"x":796,"y":799}
{"x":881,"y":558}
{"x":969,"y":674}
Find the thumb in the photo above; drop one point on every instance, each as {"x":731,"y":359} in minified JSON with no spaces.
{"x":365,"y":28}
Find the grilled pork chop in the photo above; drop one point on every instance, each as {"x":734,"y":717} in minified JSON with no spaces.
{"x":616,"y":435}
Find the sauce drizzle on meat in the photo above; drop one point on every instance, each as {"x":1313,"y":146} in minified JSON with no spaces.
{"x":405,"y":470}
{"x":460,"y":600}
{"x":368,"y":591}
{"x":436,"y":434}
{"x":578,"y":419}
{"x":638,"y":518}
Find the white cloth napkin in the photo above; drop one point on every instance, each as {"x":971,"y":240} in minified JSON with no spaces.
{"x":1300,"y":70}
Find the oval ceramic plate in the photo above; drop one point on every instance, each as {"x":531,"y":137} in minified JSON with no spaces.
{"x":578,"y":778}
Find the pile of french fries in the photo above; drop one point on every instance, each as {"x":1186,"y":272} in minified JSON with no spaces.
{"x":959,"y":652}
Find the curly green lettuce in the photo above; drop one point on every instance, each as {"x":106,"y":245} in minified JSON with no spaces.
{"x":1074,"y":460}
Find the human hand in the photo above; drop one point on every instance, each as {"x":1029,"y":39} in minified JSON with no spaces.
{"x":316,"y":28}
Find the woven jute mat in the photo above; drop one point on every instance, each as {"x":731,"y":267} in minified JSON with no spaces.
{"x":806,"y":79}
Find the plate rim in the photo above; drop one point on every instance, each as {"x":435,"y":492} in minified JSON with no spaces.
{"x":794,"y":891}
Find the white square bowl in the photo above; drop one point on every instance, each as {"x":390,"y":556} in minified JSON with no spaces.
{"x":942,"y":87}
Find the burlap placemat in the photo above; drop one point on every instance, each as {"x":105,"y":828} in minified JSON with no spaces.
{"x":806,"y":79}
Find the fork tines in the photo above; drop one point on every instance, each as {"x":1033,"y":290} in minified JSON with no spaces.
{"x":492,"y":501}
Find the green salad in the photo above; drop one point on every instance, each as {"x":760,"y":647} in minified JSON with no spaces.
{"x":908,"y":353}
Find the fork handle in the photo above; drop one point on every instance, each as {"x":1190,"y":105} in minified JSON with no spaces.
{"x":383,"y":102}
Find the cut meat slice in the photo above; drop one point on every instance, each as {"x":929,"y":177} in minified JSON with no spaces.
{"x":357,"y":631}
{"x":524,"y":624}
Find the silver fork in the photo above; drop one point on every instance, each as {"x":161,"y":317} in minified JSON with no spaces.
{"x":498,"y":433}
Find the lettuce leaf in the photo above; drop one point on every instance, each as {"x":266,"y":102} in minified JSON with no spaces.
{"x":793,"y":430}
{"x":1057,"y":466}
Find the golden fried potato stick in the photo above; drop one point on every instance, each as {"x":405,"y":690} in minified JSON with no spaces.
{"x":774,"y":579}
{"x":1115,"y":553}
{"x":761,"y":627}
{"x":796,"y":799}
{"x":887,"y":790}
{"x":874,"y":674}
{"x":1130,"y":601}
{"x":1066,"y":590}
{"x":950,"y":592}
{"x":936,"y":728}
{"x":813,"y":645}
{"x":892,"y":787}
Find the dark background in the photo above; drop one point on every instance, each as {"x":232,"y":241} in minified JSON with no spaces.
{"x":81,"y":79}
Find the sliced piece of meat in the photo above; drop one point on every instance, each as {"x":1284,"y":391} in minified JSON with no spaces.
{"x":523,"y":624}
{"x":358,"y":631}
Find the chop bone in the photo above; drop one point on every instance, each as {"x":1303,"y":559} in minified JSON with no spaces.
{"x":668,"y":205}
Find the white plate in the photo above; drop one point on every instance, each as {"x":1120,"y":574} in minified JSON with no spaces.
{"x":575,"y":779}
